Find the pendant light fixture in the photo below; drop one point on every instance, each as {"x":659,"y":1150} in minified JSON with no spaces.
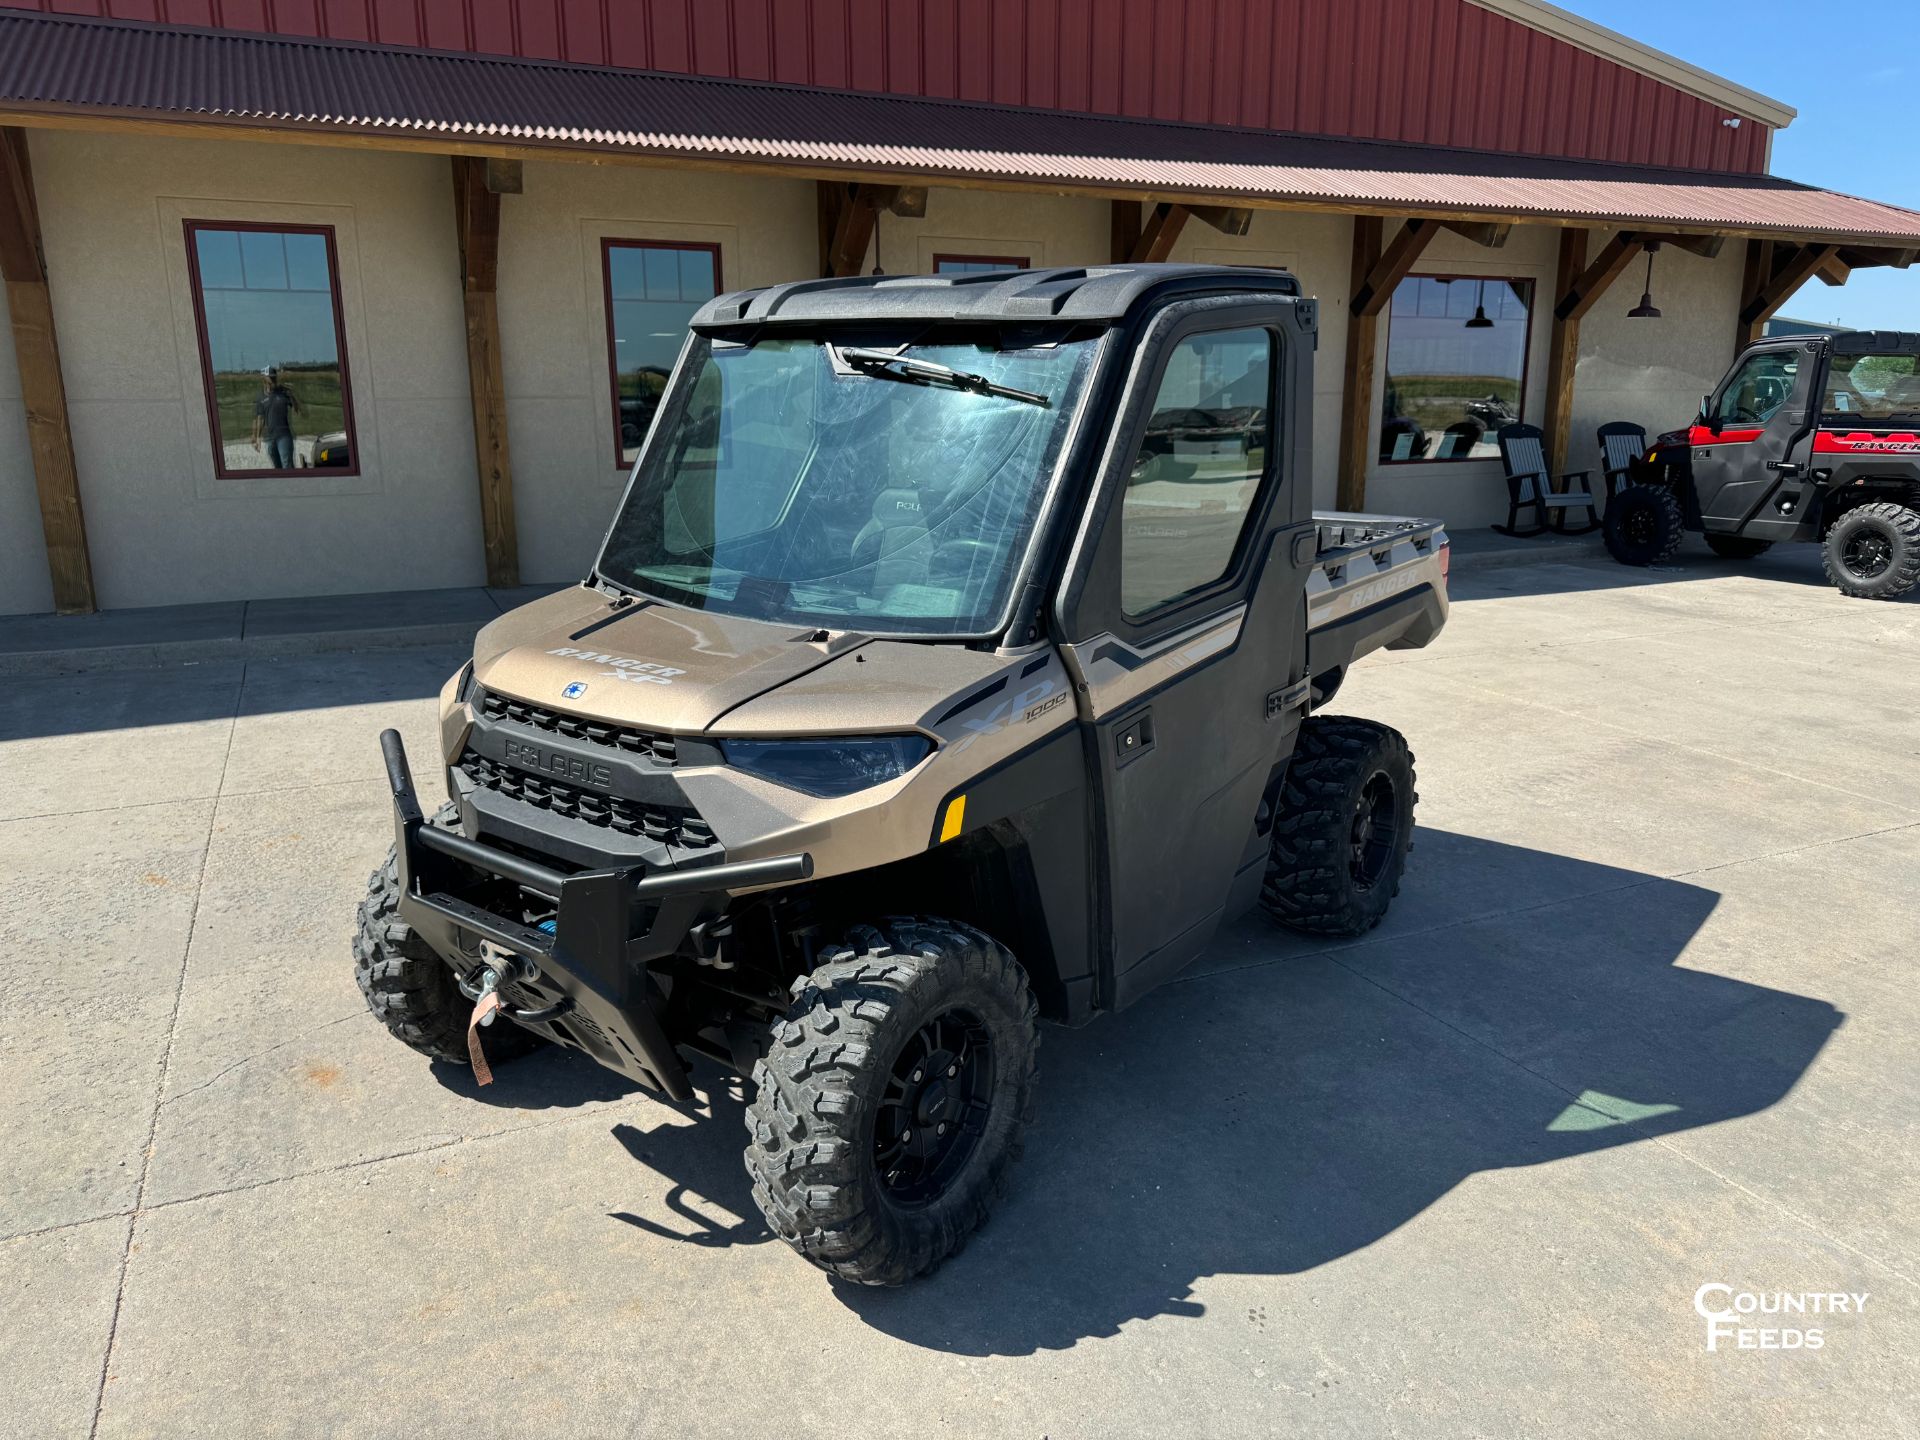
{"x":1480,"y":320}
{"x":1646,"y":310}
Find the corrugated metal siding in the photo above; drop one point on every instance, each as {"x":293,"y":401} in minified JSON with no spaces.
{"x":60,"y":63}
{"x":1437,"y":72}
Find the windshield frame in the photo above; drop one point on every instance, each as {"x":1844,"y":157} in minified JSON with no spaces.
{"x":911,"y":335}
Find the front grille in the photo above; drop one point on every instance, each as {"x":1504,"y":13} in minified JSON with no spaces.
{"x":627,"y":817}
{"x":660,"y":748}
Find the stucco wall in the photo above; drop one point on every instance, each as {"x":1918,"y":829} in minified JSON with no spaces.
{"x":164,"y":530}
{"x":161,"y":527}
{"x":25,"y":588}
{"x":1654,"y":372}
{"x":553,"y":323}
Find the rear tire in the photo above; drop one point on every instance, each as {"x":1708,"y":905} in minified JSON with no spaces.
{"x":894,"y":1099}
{"x":1343,"y":828}
{"x":1872,"y":552}
{"x":1643,"y":525}
{"x":1737,"y":547}
{"x":409,"y":988}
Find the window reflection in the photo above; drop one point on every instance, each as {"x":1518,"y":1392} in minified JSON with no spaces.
{"x":1456,"y":366}
{"x":270,"y":344}
{"x":653,"y":290}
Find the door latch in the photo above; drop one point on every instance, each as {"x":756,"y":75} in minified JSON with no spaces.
{"x":1785,"y":467}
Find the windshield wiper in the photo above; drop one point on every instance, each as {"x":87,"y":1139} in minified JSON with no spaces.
{"x":888,"y":366}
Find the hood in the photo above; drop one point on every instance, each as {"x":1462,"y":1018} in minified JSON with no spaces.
{"x":648,"y":665}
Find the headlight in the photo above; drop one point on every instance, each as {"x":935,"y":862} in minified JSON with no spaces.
{"x":829,"y":768}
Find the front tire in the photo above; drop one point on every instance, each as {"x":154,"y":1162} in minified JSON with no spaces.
{"x":409,"y":988}
{"x":1872,"y":552}
{"x":1343,"y":828}
{"x":1737,"y":547}
{"x":894,"y":1099}
{"x":1643,"y":525}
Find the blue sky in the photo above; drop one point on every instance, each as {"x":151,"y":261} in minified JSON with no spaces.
{"x":1852,"y":78}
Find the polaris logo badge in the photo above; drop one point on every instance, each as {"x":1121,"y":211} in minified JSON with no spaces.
{"x":574,"y":691}
{"x":549,"y":762}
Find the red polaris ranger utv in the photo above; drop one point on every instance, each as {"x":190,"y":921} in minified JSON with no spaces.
{"x":1809,"y":437}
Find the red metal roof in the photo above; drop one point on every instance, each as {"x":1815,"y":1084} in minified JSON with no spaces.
{"x":1432,"y":72}
{"x":60,"y":64}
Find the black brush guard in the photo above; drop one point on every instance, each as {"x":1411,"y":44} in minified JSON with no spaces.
{"x":608,"y":925}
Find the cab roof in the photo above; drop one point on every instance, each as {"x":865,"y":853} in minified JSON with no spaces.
{"x":1876,"y":342}
{"x":1065,"y":293}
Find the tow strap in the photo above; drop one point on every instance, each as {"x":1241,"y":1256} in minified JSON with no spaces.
{"x":483,"y":1012}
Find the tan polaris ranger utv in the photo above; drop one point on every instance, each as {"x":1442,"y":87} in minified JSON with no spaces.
{"x":947,"y":665}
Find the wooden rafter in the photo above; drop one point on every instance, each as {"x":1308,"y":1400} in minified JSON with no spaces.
{"x":1833,"y":271}
{"x":1587,"y":288}
{"x":1707,"y":247}
{"x":1493,"y":236}
{"x":1371,"y":294}
{"x":43,"y":390}
{"x":1228,"y":220}
{"x":858,"y":209}
{"x":1789,"y":271}
{"x":476,"y":205}
{"x":1158,"y":235}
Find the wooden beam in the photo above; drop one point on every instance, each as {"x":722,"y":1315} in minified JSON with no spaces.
{"x":505,"y":177}
{"x":1489,"y":235}
{"x":1356,"y":399}
{"x":43,"y":390}
{"x":1581,"y":296}
{"x":1790,"y":272}
{"x":1159,"y":234}
{"x":853,"y":229}
{"x":1123,"y":230}
{"x":1370,"y":296}
{"x":1226,"y":219}
{"x":1707,"y":247}
{"x":477,"y":225}
{"x":1563,"y":353}
{"x":1860,"y":257}
{"x":829,"y":196}
{"x":1833,"y":271}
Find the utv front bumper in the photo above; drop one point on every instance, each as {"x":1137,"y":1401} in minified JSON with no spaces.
{"x":592,"y":988}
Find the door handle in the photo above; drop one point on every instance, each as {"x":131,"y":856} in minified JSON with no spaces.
{"x":1786,"y":467}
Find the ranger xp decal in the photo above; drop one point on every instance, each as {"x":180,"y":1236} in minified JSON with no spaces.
{"x":625,"y":667}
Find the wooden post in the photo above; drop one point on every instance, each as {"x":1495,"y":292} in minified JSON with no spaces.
{"x":477,"y":218}
{"x":1563,"y":352}
{"x":43,"y":391}
{"x":1124,"y":233}
{"x":1758,"y":268}
{"x":1356,"y":401}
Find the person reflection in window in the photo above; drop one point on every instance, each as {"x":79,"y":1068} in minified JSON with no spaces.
{"x":273,"y":416}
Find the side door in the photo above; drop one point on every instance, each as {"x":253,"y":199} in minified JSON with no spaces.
{"x":1754,"y":445}
{"x":1184,"y":604}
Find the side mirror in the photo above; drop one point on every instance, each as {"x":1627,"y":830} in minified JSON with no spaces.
{"x":1707,"y":417}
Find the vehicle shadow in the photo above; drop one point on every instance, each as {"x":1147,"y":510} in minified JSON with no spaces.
{"x":1565,"y":569}
{"x":1298,"y":1106}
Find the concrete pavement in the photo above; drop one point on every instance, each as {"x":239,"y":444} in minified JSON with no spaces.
{"x":1641,"y":1019}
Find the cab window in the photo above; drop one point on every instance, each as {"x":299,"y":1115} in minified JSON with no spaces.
{"x":1862,"y":389}
{"x":1763,"y":383}
{"x":1197,"y":472}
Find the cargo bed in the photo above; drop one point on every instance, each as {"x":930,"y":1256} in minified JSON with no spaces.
{"x":1378,"y":582}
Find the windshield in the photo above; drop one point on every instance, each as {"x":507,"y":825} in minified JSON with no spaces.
{"x":797,"y":484}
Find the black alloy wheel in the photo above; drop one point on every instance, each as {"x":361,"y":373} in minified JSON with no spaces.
{"x":1376,"y":831}
{"x":934,"y":1108}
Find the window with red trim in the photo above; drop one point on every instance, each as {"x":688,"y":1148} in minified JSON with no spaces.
{"x":653,"y":289}
{"x":273,"y":354}
{"x":1456,"y":366}
{"x":972,"y":264}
